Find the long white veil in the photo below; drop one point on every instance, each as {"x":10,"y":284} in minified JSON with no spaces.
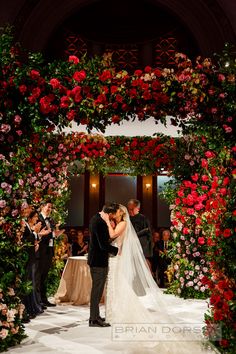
{"x":138,"y":299}
{"x":134,"y":267}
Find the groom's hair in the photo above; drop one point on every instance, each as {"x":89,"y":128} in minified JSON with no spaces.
{"x":110,"y":208}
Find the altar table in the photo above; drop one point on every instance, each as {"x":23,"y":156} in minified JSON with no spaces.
{"x":75,"y":284}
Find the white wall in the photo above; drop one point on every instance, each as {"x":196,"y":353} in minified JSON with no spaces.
{"x":129,"y":128}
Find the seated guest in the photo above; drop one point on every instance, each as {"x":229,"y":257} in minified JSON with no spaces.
{"x":79,"y":247}
{"x":162,"y":261}
{"x":86,"y":235}
{"x":65,"y":249}
{"x":72,"y":235}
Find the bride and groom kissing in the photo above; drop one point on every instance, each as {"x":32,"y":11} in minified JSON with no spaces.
{"x":115,"y":256}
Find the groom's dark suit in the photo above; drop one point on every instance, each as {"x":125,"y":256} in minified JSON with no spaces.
{"x":99,"y":249}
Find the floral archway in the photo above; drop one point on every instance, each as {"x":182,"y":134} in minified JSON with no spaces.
{"x":36,"y":97}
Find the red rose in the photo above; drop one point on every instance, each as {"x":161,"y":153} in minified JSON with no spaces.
{"x":101,"y":99}
{"x":201,"y":241}
{"x":79,"y":75}
{"x":114,"y":89}
{"x":34,"y":74}
{"x":222,"y":284}
{"x":119,"y":98}
{"x":228,"y":295}
{"x":198,"y":221}
{"x":55,"y":83}
{"x":148,"y":69}
{"x":190,"y":211}
{"x":198,"y":206}
{"x":106,"y":75}
{"x":224,"y":343}
{"x":71,"y":115}
{"x":177,"y":201}
{"x":36,"y":92}
{"x":195,"y":177}
{"x":133,"y":93}
{"x":156,"y":85}
{"x":218,"y":316}
{"x":227,"y":233}
{"x":204,"y":178}
{"x":147,"y":95}
{"x":138,"y":72}
{"x":76,"y":94}
{"x":185,"y":231}
{"x":73,"y":59}
{"x":204,"y":163}
{"x":65,"y":101}
{"x":226,"y":181}
{"x":209,"y":154}
{"x":32,"y":99}
{"x":157,"y":72}
{"x":223,"y":191}
{"x":22,"y":89}
{"x":115,"y":119}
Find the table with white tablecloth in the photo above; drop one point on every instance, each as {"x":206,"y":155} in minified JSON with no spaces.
{"x":75,"y":284}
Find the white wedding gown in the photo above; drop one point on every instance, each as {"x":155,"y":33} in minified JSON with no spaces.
{"x":132,"y":297}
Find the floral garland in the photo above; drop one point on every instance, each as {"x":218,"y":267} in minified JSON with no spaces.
{"x":36,"y":97}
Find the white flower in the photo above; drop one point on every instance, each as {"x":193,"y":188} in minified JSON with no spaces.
{"x":202,"y":288}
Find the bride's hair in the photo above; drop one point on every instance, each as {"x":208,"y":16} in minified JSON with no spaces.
{"x":124,"y":212}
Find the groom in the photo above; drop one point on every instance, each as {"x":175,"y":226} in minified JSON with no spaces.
{"x":99,"y":249}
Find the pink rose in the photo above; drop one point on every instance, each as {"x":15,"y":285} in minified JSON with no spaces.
{"x":17,"y":119}
{"x":5,"y":128}
{"x":2,"y":203}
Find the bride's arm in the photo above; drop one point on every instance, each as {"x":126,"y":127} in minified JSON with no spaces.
{"x":113,"y":232}
{"x":118,"y":230}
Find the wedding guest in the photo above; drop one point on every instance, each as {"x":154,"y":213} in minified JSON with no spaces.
{"x":86,"y":235}
{"x":163,"y":259}
{"x":142,"y":228}
{"x":65,"y":249}
{"x":32,"y":226}
{"x":155,"y":239}
{"x":48,"y":234}
{"x":80,"y":247}
{"x":72,"y":235}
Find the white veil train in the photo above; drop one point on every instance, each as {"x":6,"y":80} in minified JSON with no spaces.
{"x":138,"y":300}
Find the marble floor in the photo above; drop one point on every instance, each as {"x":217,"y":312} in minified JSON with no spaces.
{"x":64,"y":329}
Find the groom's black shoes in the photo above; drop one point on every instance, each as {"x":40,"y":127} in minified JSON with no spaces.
{"x":101,"y":318}
{"x":98,"y":323}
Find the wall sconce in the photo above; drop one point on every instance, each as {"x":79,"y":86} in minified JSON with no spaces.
{"x":94,"y":185}
{"x":148,"y":185}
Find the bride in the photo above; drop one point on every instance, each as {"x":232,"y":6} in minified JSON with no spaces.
{"x":131,"y":290}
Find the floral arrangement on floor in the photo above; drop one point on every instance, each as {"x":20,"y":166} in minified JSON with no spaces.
{"x":36,"y":97}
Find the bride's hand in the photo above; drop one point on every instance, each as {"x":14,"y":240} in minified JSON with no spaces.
{"x":104,"y":216}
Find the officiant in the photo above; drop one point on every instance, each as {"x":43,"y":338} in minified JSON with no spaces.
{"x":142,"y":227}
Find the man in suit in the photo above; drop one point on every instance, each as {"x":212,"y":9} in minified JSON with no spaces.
{"x":99,"y":250}
{"x":163,"y":261}
{"x":142,"y":228}
{"x":46,"y":248}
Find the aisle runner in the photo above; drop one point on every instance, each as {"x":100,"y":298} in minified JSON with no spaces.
{"x":64,"y":329}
